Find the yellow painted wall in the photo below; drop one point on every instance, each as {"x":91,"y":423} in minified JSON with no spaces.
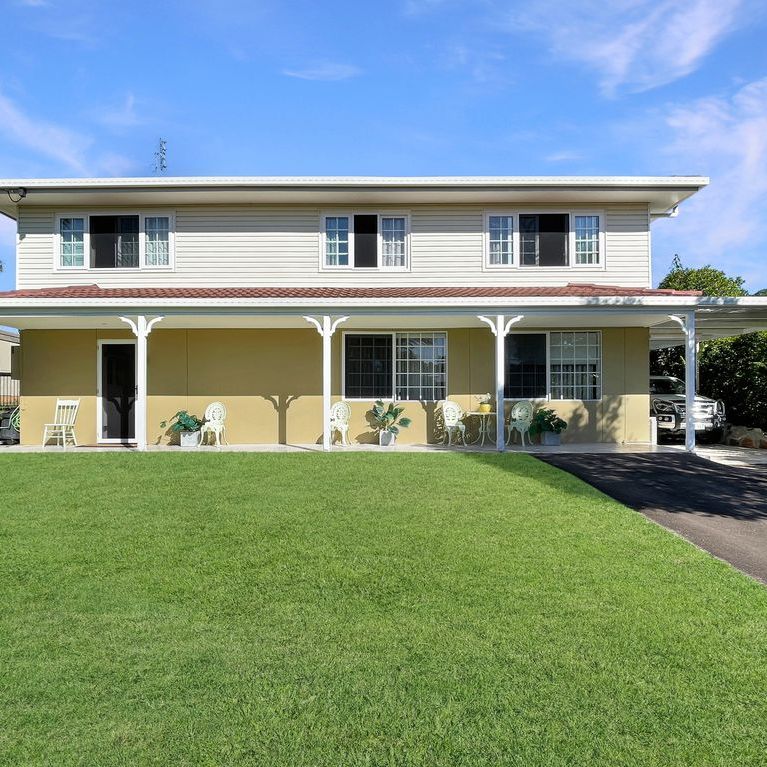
{"x":271,"y":383}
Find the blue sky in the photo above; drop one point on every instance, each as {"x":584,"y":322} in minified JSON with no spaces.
{"x":407,"y":87}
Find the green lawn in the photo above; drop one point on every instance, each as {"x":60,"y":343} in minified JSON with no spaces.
{"x":361,"y":609}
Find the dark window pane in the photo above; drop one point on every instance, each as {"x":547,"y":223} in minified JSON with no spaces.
{"x":543,"y":239}
{"x":114,"y":242}
{"x":368,"y":366}
{"x":525,"y":366}
{"x":366,"y":241}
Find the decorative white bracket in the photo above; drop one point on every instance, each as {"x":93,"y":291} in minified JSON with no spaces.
{"x":142,"y":326}
{"x":326,"y":328}
{"x":495,"y":325}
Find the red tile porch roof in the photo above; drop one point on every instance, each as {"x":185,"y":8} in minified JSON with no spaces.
{"x":567,"y":291}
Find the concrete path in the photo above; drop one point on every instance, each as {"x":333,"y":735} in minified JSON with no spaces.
{"x":722,"y":509}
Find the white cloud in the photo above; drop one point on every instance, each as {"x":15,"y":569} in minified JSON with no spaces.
{"x":65,"y":146}
{"x":325,"y":70}
{"x":70,"y":151}
{"x":635,"y":45}
{"x":122,"y":116}
{"x":724,"y":137}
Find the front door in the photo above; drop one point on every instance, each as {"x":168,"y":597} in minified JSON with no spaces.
{"x":118,"y":392}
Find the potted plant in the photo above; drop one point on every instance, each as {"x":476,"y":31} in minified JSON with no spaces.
{"x":388,"y":420}
{"x":485,"y":402}
{"x":187,"y":426}
{"x":548,"y":425}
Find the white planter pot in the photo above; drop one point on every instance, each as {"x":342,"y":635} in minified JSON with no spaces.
{"x":551,"y":439}
{"x":386,"y":438}
{"x":189,"y":438}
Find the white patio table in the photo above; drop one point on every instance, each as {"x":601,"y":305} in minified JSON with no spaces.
{"x":484,"y":433}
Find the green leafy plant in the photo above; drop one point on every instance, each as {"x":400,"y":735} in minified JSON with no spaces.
{"x":546,"y":419}
{"x":388,"y":417}
{"x":183,"y":421}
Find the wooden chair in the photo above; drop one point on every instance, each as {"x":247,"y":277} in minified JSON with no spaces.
{"x":215,"y":416}
{"x":63,"y":426}
{"x":340,"y":414}
{"x":520,"y":419}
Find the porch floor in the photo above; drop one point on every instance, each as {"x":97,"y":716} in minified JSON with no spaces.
{"x":586,"y":447}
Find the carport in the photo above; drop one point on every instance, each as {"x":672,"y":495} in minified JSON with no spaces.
{"x":711,"y":317}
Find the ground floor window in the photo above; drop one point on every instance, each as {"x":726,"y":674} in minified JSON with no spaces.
{"x":576,"y":365}
{"x":526,"y":366}
{"x":402,"y":366}
{"x":560,"y":365}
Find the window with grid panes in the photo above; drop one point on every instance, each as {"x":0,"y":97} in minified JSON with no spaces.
{"x":421,"y":366}
{"x":403,"y":366}
{"x":368,"y":366}
{"x":500,"y":233}
{"x":586,"y":239}
{"x":576,"y":365}
{"x":72,"y":242}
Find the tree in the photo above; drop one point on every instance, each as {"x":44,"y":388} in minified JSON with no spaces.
{"x":712,"y":282}
{"x":731,"y":369}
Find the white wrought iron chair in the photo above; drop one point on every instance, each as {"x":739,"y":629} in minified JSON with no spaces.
{"x":215,"y":416}
{"x":340,"y":413}
{"x":452,"y":421}
{"x":63,"y":426}
{"x":520,"y":419}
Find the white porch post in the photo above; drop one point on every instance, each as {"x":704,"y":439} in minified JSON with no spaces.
{"x":687,"y":323}
{"x":326,"y":326}
{"x":500,"y":328}
{"x":141,"y":329}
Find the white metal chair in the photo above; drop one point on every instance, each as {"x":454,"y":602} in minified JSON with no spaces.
{"x":340,"y":413}
{"x":520,"y":419}
{"x":452,"y":421}
{"x":215,"y":416}
{"x":63,"y":426}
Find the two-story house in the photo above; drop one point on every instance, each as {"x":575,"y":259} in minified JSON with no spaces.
{"x":277,"y":296}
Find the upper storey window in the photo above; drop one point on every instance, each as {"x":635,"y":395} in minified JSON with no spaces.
{"x":365,"y":241}
{"x":114,"y":241}
{"x":500,"y":231}
{"x":586,"y":239}
{"x":543,"y":239}
{"x":553,"y":239}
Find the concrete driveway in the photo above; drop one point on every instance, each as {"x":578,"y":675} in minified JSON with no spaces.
{"x":722,"y":509}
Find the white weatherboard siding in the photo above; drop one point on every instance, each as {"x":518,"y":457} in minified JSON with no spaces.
{"x":258,"y":245}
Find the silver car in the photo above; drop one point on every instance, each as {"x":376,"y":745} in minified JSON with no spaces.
{"x":668,"y":407}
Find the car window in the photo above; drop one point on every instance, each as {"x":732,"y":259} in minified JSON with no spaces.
{"x":666,"y":386}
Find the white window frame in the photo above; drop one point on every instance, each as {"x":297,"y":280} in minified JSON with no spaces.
{"x":393,"y":334}
{"x":379,"y":267}
{"x":323,"y":240}
{"x":600,"y":239}
{"x":601,"y":363}
{"x":548,"y":398}
{"x":514,"y":215}
{"x":516,"y":260}
{"x":142,"y":267}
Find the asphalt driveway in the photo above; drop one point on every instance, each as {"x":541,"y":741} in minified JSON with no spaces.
{"x":722,"y":509}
